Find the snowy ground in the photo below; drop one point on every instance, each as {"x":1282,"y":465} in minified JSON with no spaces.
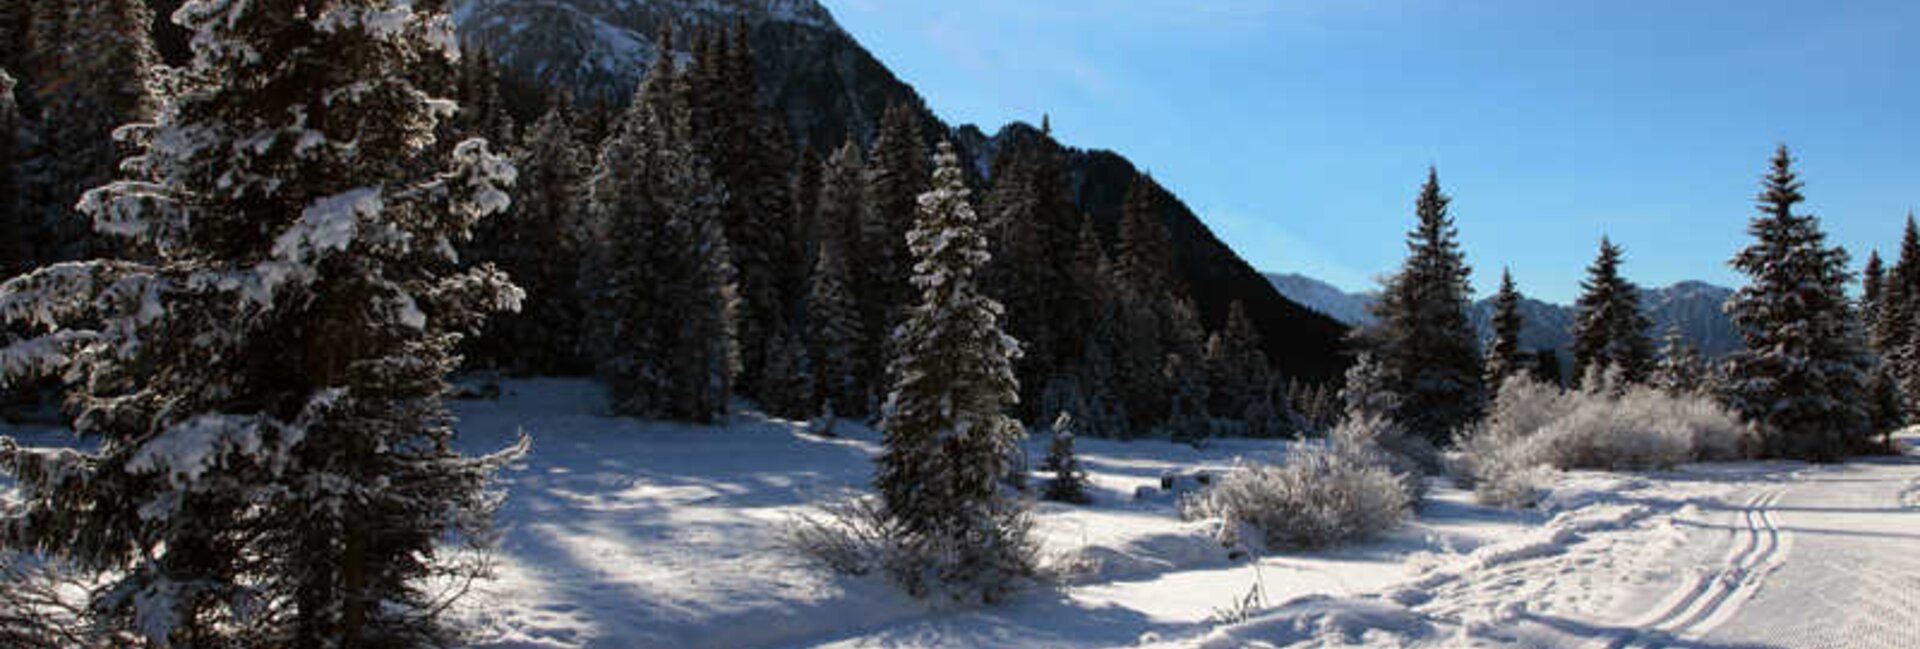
{"x":622,"y":534}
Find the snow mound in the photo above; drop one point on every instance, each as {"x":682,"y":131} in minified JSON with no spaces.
{"x":1327,"y":620}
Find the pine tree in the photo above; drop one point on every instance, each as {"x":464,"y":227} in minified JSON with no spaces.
{"x":842,"y":197}
{"x":1872,"y":281}
{"x":663,"y":294}
{"x":790,"y":391}
{"x":833,"y":331}
{"x":896,"y":175}
{"x":539,"y":246}
{"x":1069,"y":483}
{"x":746,"y":161}
{"x":1505,"y":359}
{"x":1802,"y":378}
{"x":1144,"y":264}
{"x":947,"y":436}
{"x":274,"y":464}
{"x":1424,"y":343}
{"x":1239,"y":368}
{"x":1899,"y":301}
{"x":90,"y":69}
{"x":1546,"y":368}
{"x":1884,"y":408}
{"x":1610,"y":329}
{"x":1681,"y":370}
{"x":1369,"y":390}
{"x":483,"y":110}
{"x":12,"y":255}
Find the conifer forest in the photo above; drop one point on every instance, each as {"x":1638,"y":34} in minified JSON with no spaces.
{"x":568,"y":324}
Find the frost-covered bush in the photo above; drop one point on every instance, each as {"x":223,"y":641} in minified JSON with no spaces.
{"x":855,"y":536}
{"x":1374,"y":439}
{"x":1318,"y":499}
{"x":1534,"y":426}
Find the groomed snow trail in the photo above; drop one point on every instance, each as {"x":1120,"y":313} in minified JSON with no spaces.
{"x":1770,"y":555}
{"x":1852,"y":578}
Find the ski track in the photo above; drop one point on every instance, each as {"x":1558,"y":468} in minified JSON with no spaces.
{"x":1716,"y":595}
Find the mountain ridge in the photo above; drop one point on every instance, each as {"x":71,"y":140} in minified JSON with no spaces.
{"x":1691,"y":304}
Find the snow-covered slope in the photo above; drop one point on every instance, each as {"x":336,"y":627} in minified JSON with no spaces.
{"x":1694,"y":306}
{"x":578,"y":43}
{"x":1329,"y":300}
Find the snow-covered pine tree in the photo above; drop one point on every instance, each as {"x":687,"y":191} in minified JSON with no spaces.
{"x":1369,"y":390}
{"x":833,"y":333}
{"x":740,"y":148}
{"x":1148,"y":308}
{"x":1681,"y":370}
{"x":1610,"y":329}
{"x":1872,"y":281}
{"x":1899,"y":309}
{"x":1237,"y":365}
{"x":539,"y":246}
{"x":803,"y":234}
{"x":483,"y":109}
{"x":1069,"y":483}
{"x":1424,"y":343}
{"x":789,"y":390}
{"x":842,"y":200}
{"x":1802,"y":378}
{"x":274,"y":466}
{"x":662,"y":293}
{"x":90,"y":70}
{"x":1185,"y":368}
{"x":896,"y":175}
{"x":948,"y":437}
{"x":1505,"y":359}
{"x":1884,"y":407}
{"x":12,"y":255}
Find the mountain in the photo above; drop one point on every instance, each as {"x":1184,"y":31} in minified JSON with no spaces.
{"x":1693,"y":306}
{"x":826,"y":88}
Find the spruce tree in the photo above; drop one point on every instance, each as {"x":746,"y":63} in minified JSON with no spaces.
{"x":539,"y":246}
{"x":274,"y":462}
{"x":1872,"y":281}
{"x":662,"y":293}
{"x":1239,"y":368}
{"x":896,"y":175}
{"x":1681,"y":369}
{"x":790,"y":391}
{"x":1610,"y":329}
{"x":1069,"y":483}
{"x":1505,"y":359}
{"x":1899,"y":302}
{"x":1161,"y":344}
{"x":1802,"y":378}
{"x":1425,"y":344}
{"x":947,"y":435}
{"x":833,"y":332}
{"x":842,"y":200}
{"x":12,"y":254}
{"x":90,"y":68}
{"x":740,"y":147}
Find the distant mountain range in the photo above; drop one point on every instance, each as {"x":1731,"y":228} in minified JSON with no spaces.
{"x":1693,"y":306}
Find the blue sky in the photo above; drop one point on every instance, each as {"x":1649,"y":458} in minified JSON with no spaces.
{"x":1300,"y":130}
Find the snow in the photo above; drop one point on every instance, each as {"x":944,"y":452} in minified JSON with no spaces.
{"x":625,"y":533}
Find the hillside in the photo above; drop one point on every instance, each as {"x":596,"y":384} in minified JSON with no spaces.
{"x":827,"y":87}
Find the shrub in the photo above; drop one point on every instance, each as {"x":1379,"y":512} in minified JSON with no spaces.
{"x":854,"y":536}
{"x":1534,"y":426}
{"x":1368,"y":438}
{"x":1318,"y":499}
